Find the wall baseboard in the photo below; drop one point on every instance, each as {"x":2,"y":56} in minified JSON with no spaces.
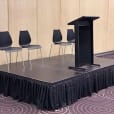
{"x":104,"y":53}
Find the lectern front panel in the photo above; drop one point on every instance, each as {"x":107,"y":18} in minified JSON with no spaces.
{"x":85,"y":45}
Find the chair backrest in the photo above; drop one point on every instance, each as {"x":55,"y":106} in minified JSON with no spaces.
{"x":24,"y":38}
{"x":70,"y":35}
{"x":5,"y":39}
{"x":57,"y":36}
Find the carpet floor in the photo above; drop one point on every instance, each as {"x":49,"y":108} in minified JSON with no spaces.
{"x":99,"y":103}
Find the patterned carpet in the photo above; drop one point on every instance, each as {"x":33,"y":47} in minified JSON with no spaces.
{"x":100,"y":103}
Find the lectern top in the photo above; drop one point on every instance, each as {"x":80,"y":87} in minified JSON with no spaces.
{"x":83,"y":18}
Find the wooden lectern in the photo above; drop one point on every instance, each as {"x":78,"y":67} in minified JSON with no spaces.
{"x":83,"y":41}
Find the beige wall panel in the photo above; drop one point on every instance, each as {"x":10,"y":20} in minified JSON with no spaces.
{"x":40,"y":17}
{"x":3,"y":15}
{"x":22,"y":16}
{"x":3,"y":24}
{"x":110,"y":37}
{"x":69,"y":12}
{"x":48,"y":19}
{"x":97,"y":8}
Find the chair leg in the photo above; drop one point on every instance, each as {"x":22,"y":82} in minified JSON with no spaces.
{"x":50,"y":50}
{"x":72,"y":48}
{"x":59,"y":49}
{"x":10,"y":57}
{"x":16,"y":57}
{"x":37,"y":52}
{"x":64,"y":50}
{"x":29,"y":58}
{"x":7,"y":60}
{"x":28,"y":54}
{"x":41,"y":53}
{"x":22,"y":59}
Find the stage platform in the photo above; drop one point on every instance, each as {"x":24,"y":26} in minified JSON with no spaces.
{"x":50,"y":85}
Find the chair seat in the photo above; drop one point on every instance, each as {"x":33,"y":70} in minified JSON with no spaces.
{"x":32,"y":46}
{"x":63,"y":43}
{"x":13,"y":49}
{"x":72,"y":41}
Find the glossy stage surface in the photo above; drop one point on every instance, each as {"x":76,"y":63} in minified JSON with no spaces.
{"x":51,"y":70}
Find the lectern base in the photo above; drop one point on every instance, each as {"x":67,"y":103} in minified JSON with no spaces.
{"x":78,"y":69}
{"x":84,"y":68}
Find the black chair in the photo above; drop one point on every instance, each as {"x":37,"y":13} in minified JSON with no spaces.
{"x":57,"y":37}
{"x":71,"y":38}
{"x":25,"y":42}
{"x":57,"y":40}
{"x":5,"y":45}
